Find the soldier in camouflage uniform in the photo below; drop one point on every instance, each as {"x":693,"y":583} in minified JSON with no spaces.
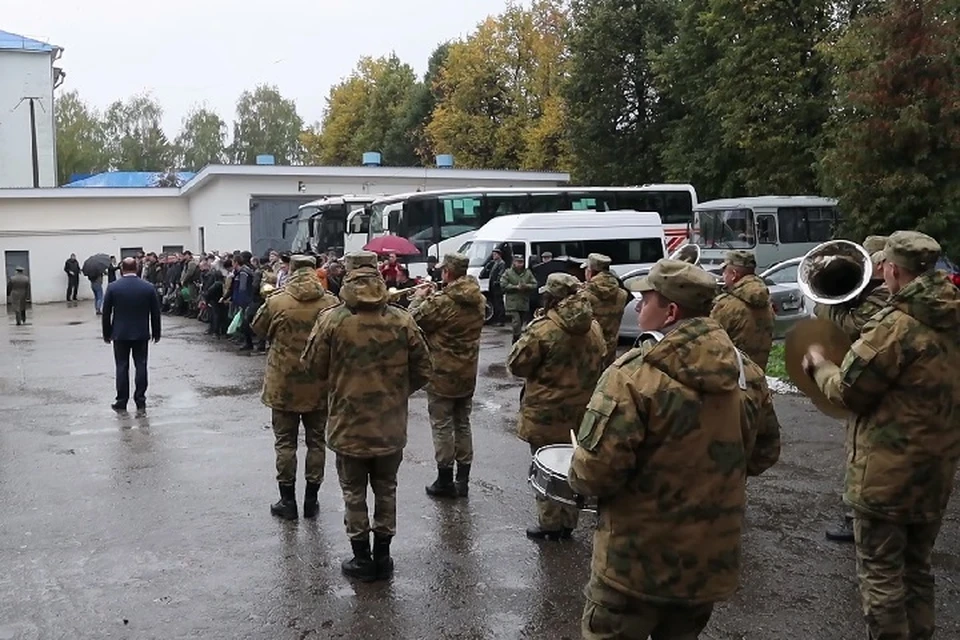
{"x":900,"y":380}
{"x":560,"y":355}
{"x":373,"y":356}
{"x":665,"y":448}
{"x":607,"y":299}
{"x":851,"y":318}
{"x":744,"y":309}
{"x":286,"y":319}
{"x":518,"y":284}
{"x":452,"y":320}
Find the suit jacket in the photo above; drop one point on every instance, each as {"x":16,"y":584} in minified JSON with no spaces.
{"x":131,"y":310}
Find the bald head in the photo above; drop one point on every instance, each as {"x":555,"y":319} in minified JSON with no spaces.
{"x":129,"y":265}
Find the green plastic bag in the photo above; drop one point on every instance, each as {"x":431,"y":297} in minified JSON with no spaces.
{"x":234,"y":327}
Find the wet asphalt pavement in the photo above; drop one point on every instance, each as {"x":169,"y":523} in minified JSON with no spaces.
{"x":159,"y":527}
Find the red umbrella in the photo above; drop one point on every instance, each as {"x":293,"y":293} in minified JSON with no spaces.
{"x":392,"y":244}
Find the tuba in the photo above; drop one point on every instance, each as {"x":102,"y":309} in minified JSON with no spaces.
{"x":396,"y":295}
{"x":835,"y":272}
{"x":687,"y":253}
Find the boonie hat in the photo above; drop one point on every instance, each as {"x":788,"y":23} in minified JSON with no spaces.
{"x":681,"y":282}
{"x":300,"y":261}
{"x":560,"y":285}
{"x":914,"y":251}
{"x":597,"y":262}
{"x":455,"y":262}
{"x":875,"y":243}
{"x":740,"y":258}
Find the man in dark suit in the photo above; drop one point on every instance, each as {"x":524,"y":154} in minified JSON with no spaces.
{"x":131,"y":316}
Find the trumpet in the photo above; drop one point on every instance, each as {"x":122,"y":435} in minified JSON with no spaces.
{"x":399,"y":294}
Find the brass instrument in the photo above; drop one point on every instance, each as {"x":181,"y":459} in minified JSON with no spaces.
{"x":267,"y":289}
{"x":832,"y":273}
{"x":687,"y":253}
{"x":396,"y":295}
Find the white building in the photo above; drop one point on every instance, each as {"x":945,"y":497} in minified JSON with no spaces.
{"x":27,"y":80}
{"x":221,"y":209}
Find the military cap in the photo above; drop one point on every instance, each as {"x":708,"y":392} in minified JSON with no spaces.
{"x":914,"y":251}
{"x":357,"y":259}
{"x":455,"y":262}
{"x":681,"y":282}
{"x":518,"y":258}
{"x":299,"y":261}
{"x":597,"y":262}
{"x":877,"y":258}
{"x":19,"y":269}
{"x":875,"y":243}
{"x":546,"y":254}
{"x":741,"y":259}
{"x":560,"y":285}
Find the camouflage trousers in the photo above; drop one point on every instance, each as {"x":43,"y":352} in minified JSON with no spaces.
{"x":552,"y":515}
{"x":450,"y":422}
{"x":286,"y":427}
{"x":517,"y":319}
{"x":379,"y":473}
{"x":896,"y":580}
{"x":611,"y":615}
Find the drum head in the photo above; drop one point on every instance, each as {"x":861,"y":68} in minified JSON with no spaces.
{"x":556,"y":458}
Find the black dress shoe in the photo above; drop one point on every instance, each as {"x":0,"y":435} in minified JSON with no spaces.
{"x":536,"y":533}
{"x":119,"y":406}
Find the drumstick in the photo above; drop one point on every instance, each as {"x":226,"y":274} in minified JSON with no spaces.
{"x":573,"y":439}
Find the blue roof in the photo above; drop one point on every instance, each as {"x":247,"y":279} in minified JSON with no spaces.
{"x":127,"y":179}
{"x":11,"y":41}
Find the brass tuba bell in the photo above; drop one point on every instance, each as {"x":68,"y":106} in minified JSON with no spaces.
{"x":835,"y":272}
{"x":687,"y":253}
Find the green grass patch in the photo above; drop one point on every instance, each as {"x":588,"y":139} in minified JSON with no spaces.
{"x":776,"y":368}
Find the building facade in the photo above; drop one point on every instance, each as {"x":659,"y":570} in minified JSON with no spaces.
{"x":28,"y":76}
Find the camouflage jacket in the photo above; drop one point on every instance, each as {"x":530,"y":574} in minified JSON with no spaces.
{"x":607,"y":299}
{"x":853,"y":316}
{"x":661,"y":448}
{"x":373,"y":356}
{"x":286,"y":320}
{"x":452,"y":320}
{"x":746,"y":314}
{"x":517,"y":289}
{"x":759,"y":424}
{"x":560,"y":354}
{"x":901,"y":380}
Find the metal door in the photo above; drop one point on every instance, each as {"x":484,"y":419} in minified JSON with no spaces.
{"x":14,"y":259}
{"x":266,"y":221}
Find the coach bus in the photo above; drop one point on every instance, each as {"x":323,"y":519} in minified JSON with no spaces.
{"x":321,"y":224}
{"x":441,"y":221}
{"x":774,"y":228}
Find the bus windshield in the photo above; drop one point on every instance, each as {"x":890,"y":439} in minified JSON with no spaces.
{"x":479,"y":251}
{"x":724,"y":229}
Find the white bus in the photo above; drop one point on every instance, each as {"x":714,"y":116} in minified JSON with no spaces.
{"x":321,"y":224}
{"x":775,"y":228}
{"x":439,"y":221}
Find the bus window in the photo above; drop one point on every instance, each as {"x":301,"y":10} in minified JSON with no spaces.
{"x":459,"y":208}
{"x":582,"y":202}
{"x":805,"y":224}
{"x":628,"y":251}
{"x":546,"y":202}
{"x":568,"y":248}
{"x":678,"y":208}
{"x":393,"y":220}
{"x":725,"y":229}
{"x":636,"y":201}
{"x":504,"y":205}
{"x":766,"y":229}
{"x":360,"y":223}
{"x":418,"y":223}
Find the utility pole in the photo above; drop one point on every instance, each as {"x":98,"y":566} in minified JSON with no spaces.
{"x":33,"y":137}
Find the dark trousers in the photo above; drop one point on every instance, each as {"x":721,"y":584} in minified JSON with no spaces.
{"x":73,"y":283}
{"x":122,"y":350}
{"x":496,"y":299}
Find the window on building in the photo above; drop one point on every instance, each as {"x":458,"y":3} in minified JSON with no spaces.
{"x":172,"y":248}
{"x":130,"y":252}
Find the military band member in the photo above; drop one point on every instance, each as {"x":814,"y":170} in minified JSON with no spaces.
{"x":851,"y":318}
{"x":372,"y":355}
{"x":452,"y":320}
{"x":665,"y":448}
{"x":744,"y":309}
{"x":560,"y":354}
{"x":607,"y":299}
{"x":518,"y":285}
{"x":286,"y":319}
{"x":900,"y":380}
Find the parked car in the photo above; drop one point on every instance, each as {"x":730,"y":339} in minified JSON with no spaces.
{"x":788,"y":302}
{"x":952,"y":270}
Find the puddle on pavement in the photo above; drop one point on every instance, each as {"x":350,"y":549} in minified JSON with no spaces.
{"x":230,"y":391}
{"x":72,"y":323}
{"x":497,"y":370}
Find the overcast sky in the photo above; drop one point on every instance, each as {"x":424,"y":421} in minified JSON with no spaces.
{"x":189,"y":52}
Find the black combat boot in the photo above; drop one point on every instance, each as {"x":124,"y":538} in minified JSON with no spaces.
{"x":842,"y":531}
{"x":286,"y":506}
{"x":463,"y":480}
{"x":311,"y":506}
{"x":538,"y":533}
{"x":443,"y":486}
{"x":361,"y":565}
{"x":381,"y":556}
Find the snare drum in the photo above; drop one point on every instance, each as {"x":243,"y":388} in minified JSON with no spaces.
{"x":548,"y":476}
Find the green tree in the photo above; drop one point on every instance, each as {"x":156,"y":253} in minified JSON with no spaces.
{"x":81,"y":143}
{"x":617,"y":115}
{"x":135,"y":139}
{"x":770,"y":89}
{"x":892,"y":153}
{"x":421,"y":103}
{"x":201,"y":141}
{"x":266,"y":123}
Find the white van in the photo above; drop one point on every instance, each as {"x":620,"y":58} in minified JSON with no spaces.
{"x":632,"y":239}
